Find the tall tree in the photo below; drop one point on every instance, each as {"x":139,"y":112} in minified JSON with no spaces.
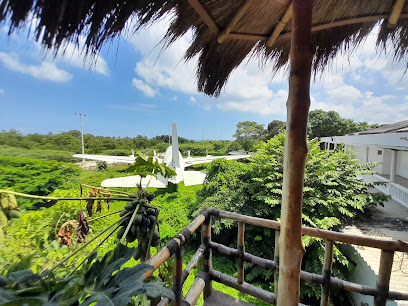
{"x":275,"y":127}
{"x":248,"y":133}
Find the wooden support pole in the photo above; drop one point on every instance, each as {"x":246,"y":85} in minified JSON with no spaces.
{"x":234,"y":21}
{"x":290,"y":243}
{"x":177,"y":280}
{"x":395,"y":14}
{"x":241,"y":250}
{"x":201,"y":11}
{"x":207,"y":255}
{"x":276,"y":260}
{"x":280,"y":26}
{"x":384,"y":275}
{"x":326,"y":273}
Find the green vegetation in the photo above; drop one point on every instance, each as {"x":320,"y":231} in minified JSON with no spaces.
{"x":33,"y":176}
{"x":332,"y":196}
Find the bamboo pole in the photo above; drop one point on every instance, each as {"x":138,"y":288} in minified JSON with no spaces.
{"x":244,"y":287}
{"x":326,"y":273}
{"x":202,"y":12}
{"x":178,"y":271}
{"x":30,"y":196}
{"x":192,"y":264}
{"x":295,"y":151}
{"x":276,"y":260}
{"x":234,"y":21}
{"x":195,"y":291}
{"x":395,"y":14}
{"x":390,"y":245}
{"x":241,"y":250}
{"x":280,"y":26}
{"x":384,"y":275}
{"x":207,"y":255}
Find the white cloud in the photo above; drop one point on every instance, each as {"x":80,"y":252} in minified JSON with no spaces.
{"x":143,"y":87}
{"x":72,"y":55}
{"x":2,"y":92}
{"x":45,"y":71}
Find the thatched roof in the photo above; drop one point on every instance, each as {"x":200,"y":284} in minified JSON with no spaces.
{"x":244,"y":27}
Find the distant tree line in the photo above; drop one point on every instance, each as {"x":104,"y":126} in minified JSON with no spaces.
{"x":71,"y":142}
{"x":320,"y":124}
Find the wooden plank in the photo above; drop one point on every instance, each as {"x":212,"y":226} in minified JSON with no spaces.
{"x":395,"y":14}
{"x":195,"y":291}
{"x":280,"y":26}
{"x":326,"y":273}
{"x":202,"y":12}
{"x":290,"y":242}
{"x":234,"y":21}
{"x":241,"y":250}
{"x":384,"y":275}
{"x":244,"y":287}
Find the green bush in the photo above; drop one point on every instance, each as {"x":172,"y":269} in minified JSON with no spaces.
{"x":34,"y":176}
{"x":62,"y":156}
{"x":332,"y":196}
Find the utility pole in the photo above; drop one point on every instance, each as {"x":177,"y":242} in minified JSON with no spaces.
{"x":82,"y":133}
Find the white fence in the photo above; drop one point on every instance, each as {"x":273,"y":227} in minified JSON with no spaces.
{"x":397,"y":192}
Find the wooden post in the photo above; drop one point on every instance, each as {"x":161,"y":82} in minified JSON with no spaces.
{"x":290,"y":243}
{"x":326,"y":273}
{"x":178,"y":271}
{"x":241,"y":250}
{"x":207,"y":255}
{"x":384,"y":275}
{"x":276,"y":259}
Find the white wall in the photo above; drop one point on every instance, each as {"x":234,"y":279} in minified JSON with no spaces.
{"x":386,"y":168}
{"x":402,"y":164}
{"x":372,"y":156}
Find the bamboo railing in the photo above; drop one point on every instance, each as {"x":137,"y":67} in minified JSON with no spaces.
{"x":203,"y":280}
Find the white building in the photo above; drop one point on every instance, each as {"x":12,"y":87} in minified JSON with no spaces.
{"x":387,"y":145}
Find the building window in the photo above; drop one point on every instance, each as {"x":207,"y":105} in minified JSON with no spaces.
{"x":379,"y":152}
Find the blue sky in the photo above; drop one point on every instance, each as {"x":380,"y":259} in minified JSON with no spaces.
{"x":133,"y":89}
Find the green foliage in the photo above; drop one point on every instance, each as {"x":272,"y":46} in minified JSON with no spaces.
{"x":34,"y":176}
{"x":332,"y":196}
{"x":176,"y":209}
{"x":330,"y":123}
{"x":145,"y":166}
{"x":248,"y":133}
{"x":101,"y":281}
{"x":101,"y":165}
{"x":62,"y":156}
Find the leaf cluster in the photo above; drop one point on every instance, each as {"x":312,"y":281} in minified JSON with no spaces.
{"x":102,"y":281}
{"x":145,"y":166}
{"x":333,"y":195}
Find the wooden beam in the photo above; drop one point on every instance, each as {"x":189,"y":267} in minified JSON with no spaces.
{"x":195,"y":291}
{"x":244,"y":287}
{"x":395,"y":14}
{"x":384,"y":275}
{"x":241,"y":250}
{"x":207,"y":254}
{"x":280,"y":26}
{"x":385,"y":244}
{"x":326,"y":273}
{"x":290,"y":242}
{"x":177,"y":277}
{"x":202,"y":12}
{"x":276,"y":260}
{"x":234,"y":21}
{"x":315,"y":28}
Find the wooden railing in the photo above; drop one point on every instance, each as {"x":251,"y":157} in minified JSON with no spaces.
{"x":203,"y":280}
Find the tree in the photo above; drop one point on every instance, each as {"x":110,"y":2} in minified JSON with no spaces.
{"x":275,"y":127}
{"x":248,"y":133}
{"x":330,"y":123}
{"x":332,"y":196}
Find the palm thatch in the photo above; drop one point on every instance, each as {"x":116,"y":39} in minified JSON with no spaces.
{"x":338,"y":26}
